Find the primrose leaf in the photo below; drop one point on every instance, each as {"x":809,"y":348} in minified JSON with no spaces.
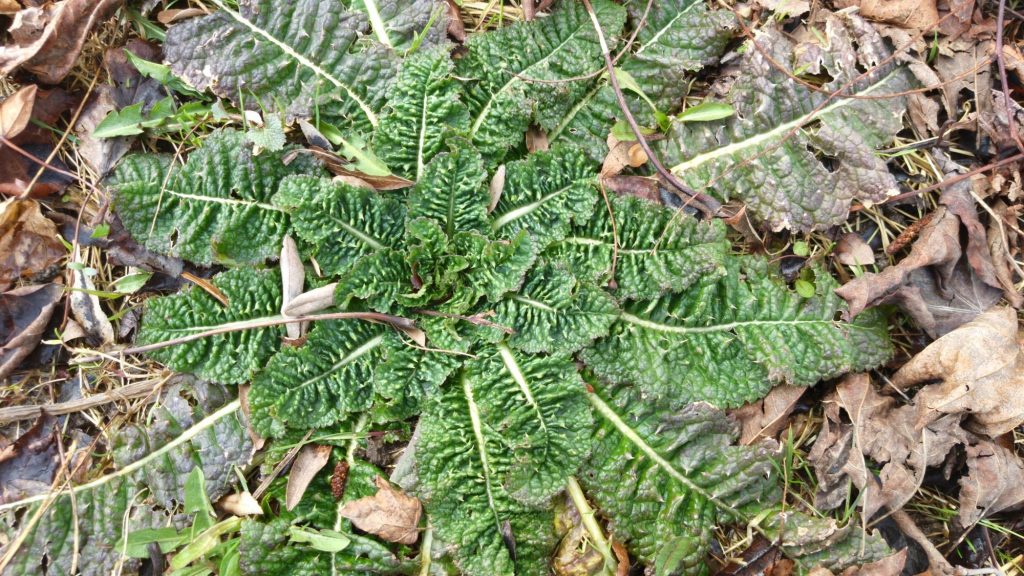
{"x":665,"y":475}
{"x":554,"y":312}
{"x":659,"y":249}
{"x":452,"y":192}
{"x":679,"y":37}
{"x":301,"y":58}
{"x":338,"y":222}
{"x":501,"y":441}
{"x":215,"y":208}
{"x":193,"y":425}
{"x":796,"y":159}
{"x":728,"y":340}
{"x":397,"y":23}
{"x":321,"y":382}
{"x":498,"y":68}
{"x":424,"y":106}
{"x":232,"y":357}
{"x":544,"y":194}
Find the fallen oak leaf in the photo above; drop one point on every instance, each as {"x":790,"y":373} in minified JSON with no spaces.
{"x":981,"y":369}
{"x":390,"y":514}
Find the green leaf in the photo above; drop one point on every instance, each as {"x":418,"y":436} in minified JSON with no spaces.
{"x":452,"y":192}
{"x":398,"y":23}
{"x":270,"y":137}
{"x":679,"y":37}
{"x":423,"y":108}
{"x":544,"y":194}
{"x":553,"y":312}
{"x":266,"y":56}
{"x":728,"y":341}
{"x":498,"y":68}
{"x":659,"y":249}
{"x":794,"y":159}
{"x":706,"y":112}
{"x":193,"y":426}
{"x":321,"y":382}
{"x":340,"y":223}
{"x":323,"y":540}
{"x":666,"y":474}
{"x":498,"y":445}
{"x":230,"y":358}
{"x":215,"y":208}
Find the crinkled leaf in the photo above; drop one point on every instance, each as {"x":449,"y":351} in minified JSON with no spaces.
{"x":194,"y":426}
{"x":665,"y":475}
{"x":397,"y":23}
{"x":321,"y":382}
{"x":793,"y":166}
{"x":544,"y":194}
{"x":423,"y":108}
{"x":555,"y":312}
{"x":215,"y":208}
{"x":302,"y":58}
{"x":232,"y":357}
{"x":659,"y":249}
{"x":338,"y":222}
{"x":502,"y":440}
{"x":498,"y":67}
{"x":452,"y":192}
{"x":728,"y":341}
{"x":678,"y":38}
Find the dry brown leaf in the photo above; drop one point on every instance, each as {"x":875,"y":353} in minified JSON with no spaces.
{"x":340,"y":167}
{"x":994,"y":483}
{"x":47,"y":39}
{"x":537,"y":140}
{"x":168,"y":17}
{"x":852,"y":250}
{"x":620,"y":155}
{"x":980,"y":367}
{"x":456,"y":29}
{"x":313,"y":301}
{"x":29,"y":245}
{"x":311,"y":459}
{"x":16,"y":111}
{"x":792,"y":8}
{"x":240,"y":504}
{"x":914,"y":14}
{"x":24,"y":314}
{"x":9,"y":6}
{"x":16,"y":171}
{"x":28,"y":465}
{"x":85,"y":306}
{"x":390,"y":514}
{"x":495,"y":188}
{"x":766,"y":417}
{"x":293,"y":277}
{"x":940,"y":284}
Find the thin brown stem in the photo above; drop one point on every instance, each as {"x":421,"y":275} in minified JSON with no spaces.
{"x":1011,"y":121}
{"x":706,"y":204}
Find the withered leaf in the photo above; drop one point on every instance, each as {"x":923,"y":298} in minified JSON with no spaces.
{"x":311,"y":459}
{"x":914,"y":14}
{"x":27,"y":467}
{"x":764,"y":418}
{"x":994,"y":483}
{"x":16,"y":171}
{"x":340,"y":167}
{"x":390,"y":514}
{"x":29,"y":245}
{"x":980,"y":369}
{"x":16,"y":110}
{"x":931,"y":284}
{"x":24,"y":314}
{"x":48,"y":39}
{"x":888,"y":566}
{"x":852,"y":250}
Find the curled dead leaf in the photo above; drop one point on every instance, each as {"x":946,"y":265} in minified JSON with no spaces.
{"x":240,"y":504}
{"x":24,"y":314}
{"x":852,"y":250}
{"x":980,"y":369}
{"x":27,"y":466}
{"x":311,"y":459}
{"x":46,"y":40}
{"x":16,"y":111}
{"x":293,"y":277}
{"x":30,"y":247}
{"x":766,"y":417}
{"x":390,"y":514}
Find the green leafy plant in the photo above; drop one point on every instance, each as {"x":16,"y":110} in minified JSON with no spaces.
{"x":547,"y":332}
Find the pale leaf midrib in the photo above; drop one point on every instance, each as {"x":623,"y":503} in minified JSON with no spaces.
{"x":778,"y":131}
